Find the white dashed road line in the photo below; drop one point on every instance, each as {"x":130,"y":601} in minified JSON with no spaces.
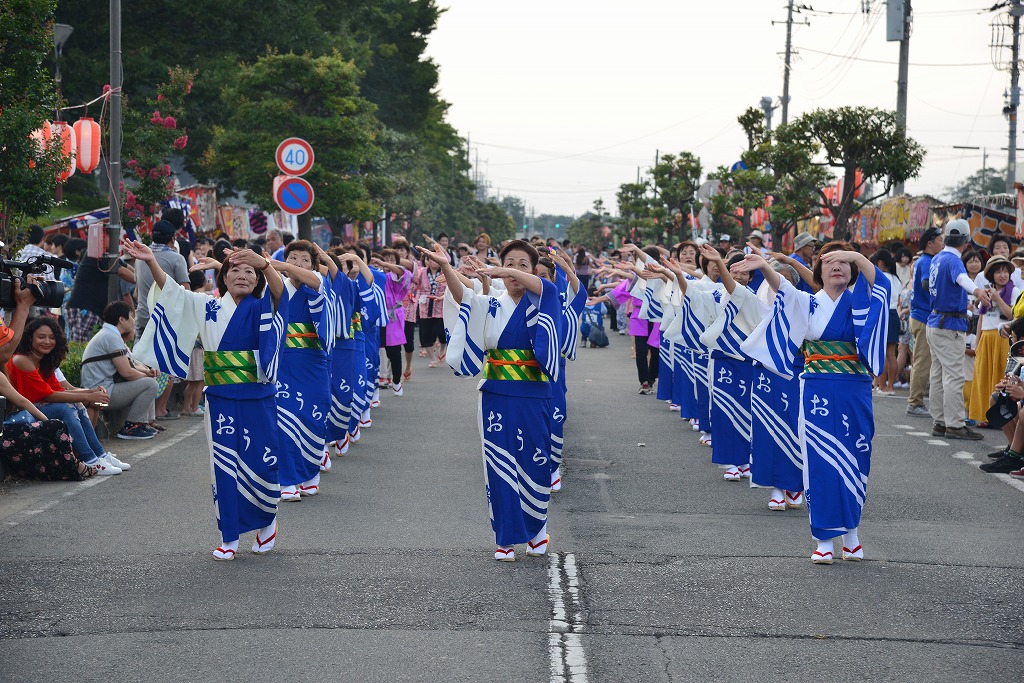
{"x":565,"y":647}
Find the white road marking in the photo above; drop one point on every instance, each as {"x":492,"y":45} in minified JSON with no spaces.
{"x":565,"y":647}
{"x":902,"y":426}
{"x":918,"y":434}
{"x":963,"y":455}
{"x":97,"y":479}
{"x":936,"y":442}
{"x":1007,"y":479}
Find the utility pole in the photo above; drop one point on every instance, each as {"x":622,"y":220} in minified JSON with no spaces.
{"x":114,"y":226}
{"x":901,"y":31}
{"x":789,"y":55}
{"x":1011,"y":110}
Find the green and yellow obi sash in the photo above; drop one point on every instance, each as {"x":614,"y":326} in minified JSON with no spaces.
{"x":356,"y":326}
{"x":513,"y":364}
{"x":229,"y":367}
{"x":302,"y":336}
{"x":832,"y":358}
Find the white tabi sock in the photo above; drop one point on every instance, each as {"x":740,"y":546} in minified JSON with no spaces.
{"x":233,"y":545}
{"x":826,"y":546}
{"x":850,"y":539}
{"x":315,"y":481}
{"x":541,"y":535}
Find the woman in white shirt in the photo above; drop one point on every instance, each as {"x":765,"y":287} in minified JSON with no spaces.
{"x":992,"y":349}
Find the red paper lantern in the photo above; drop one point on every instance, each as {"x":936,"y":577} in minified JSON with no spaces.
{"x":65,"y":137}
{"x":88,"y":133}
{"x":42,"y":140}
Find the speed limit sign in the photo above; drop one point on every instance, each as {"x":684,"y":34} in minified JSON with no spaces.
{"x":294,"y":156}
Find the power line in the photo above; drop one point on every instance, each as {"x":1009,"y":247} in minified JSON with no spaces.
{"x":882,"y":61}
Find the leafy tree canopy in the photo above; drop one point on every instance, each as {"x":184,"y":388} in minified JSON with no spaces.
{"x":982,"y":183}
{"x":315,"y":98}
{"x":28,"y":97}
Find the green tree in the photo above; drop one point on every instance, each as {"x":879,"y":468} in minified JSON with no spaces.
{"x":589,"y":230}
{"x":28,"y":97}
{"x":422,"y":172}
{"x":515,"y":207}
{"x":489,"y":217}
{"x":637,"y":216}
{"x":847,"y":139}
{"x":315,"y":98}
{"x":983,"y":183}
{"x":676,"y":178}
{"x":151,"y":136}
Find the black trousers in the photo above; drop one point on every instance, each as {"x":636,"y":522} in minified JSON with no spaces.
{"x":646,"y":357}
{"x":394,"y":354}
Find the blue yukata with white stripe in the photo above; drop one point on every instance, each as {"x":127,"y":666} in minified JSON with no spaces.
{"x":836,"y":423}
{"x":514,"y":414}
{"x":303,"y":386}
{"x":573,"y":303}
{"x":776,"y":457}
{"x":240,"y":418}
{"x":375,"y":316}
{"x":347,"y":360}
{"x":732,"y":375}
{"x":699,"y":308}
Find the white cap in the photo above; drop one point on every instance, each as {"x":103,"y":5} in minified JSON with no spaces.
{"x":957,"y":227}
{"x":757,"y":233}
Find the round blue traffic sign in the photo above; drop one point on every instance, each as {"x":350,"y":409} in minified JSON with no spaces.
{"x":294,"y":195}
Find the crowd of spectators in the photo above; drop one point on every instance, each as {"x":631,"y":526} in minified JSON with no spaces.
{"x":951,"y":325}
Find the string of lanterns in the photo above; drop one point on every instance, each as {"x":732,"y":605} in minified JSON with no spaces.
{"x":79,"y":144}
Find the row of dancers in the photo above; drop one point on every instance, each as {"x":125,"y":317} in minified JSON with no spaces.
{"x":291,"y":361}
{"x":772,"y":362}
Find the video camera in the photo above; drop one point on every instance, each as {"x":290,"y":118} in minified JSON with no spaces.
{"x":48,"y":294}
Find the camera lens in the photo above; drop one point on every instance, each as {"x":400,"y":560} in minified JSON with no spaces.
{"x":50,"y":294}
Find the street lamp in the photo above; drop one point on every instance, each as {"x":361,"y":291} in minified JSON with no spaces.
{"x":61,"y":33}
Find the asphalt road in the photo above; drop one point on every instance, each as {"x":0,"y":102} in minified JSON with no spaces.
{"x":660,"y":571}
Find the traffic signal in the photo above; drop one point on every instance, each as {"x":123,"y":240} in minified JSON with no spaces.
{"x":557,"y":226}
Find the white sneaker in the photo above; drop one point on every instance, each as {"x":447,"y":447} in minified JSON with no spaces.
{"x":103,"y":467}
{"x":397,"y":389}
{"x":112,"y":460}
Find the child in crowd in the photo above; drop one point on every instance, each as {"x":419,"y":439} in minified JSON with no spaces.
{"x":595,"y":314}
{"x":194,"y":382}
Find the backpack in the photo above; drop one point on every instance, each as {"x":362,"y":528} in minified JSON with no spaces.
{"x":598,"y":337}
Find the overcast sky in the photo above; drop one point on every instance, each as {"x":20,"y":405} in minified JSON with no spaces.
{"x":564,"y":99}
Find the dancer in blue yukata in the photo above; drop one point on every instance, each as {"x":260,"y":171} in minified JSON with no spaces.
{"x":559,"y":271}
{"x":514,"y":339}
{"x":842,"y":335}
{"x":243,"y":334}
{"x":348,"y":366}
{"x":303,"y":383}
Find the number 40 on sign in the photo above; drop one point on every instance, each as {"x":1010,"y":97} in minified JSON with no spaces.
{"x":294,"y":156}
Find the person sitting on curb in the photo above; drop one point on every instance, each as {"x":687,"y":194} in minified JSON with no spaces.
{"x":106,"y":363}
